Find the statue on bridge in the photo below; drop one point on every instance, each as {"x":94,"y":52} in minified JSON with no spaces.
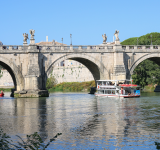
{"x":32,"y":40}
{"x":32,"y":33}
{"x":116,"y":35}
{"x":104,"y":38}
{"x":25,"y":38}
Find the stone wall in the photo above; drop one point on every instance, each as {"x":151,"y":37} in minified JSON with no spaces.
{"x":72,"y":74}
{"x":6,"y":79}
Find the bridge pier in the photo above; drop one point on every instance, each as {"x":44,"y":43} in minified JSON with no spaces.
{"x":119,"y":71}
{"x":33,"y":86}
{"x":31,"y":93}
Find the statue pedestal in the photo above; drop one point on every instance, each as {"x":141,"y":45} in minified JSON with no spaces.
{"x":32,"y":41}
{"x":117,"y":42}
{"x":25,"y":43}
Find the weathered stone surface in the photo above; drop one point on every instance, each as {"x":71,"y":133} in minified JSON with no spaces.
{"x":32,"y":65}
{"x":31,"y":93}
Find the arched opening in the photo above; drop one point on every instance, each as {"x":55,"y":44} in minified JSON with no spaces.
{"x":15,"y":72}
{"x":146,"y":71}
{"x":92,"y":67}
{"x":10,"y":71}
{"x":90,"y":63}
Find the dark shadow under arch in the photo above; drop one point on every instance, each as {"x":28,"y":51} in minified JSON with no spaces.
{"x":5,"y":66}
{"x":155,"y":59}
{"x":92,"y":67}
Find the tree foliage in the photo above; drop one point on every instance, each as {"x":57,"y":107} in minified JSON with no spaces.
{"x":51,"y":81}
{"x":144,"y":40}
{"x":147,"y":72}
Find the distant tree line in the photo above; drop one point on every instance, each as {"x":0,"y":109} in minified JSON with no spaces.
{"x":153,"y":37}
{"x":147,"y":72}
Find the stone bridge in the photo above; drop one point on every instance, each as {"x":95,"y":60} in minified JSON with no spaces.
{"x":30,"y":65}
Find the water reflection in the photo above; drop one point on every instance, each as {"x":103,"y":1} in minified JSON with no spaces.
{"x":84,"y":120}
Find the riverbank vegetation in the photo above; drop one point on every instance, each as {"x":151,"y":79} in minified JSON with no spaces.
{"x":6,"y":89}
{"x":147,"y":73}
{"x":32,"y":142}
{"x":73,"y":86}
{"x":153,"y":37}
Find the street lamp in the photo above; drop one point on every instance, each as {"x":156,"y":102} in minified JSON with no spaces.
{"x":137,"y":41}
{"x":62,"y":41}
{"x":71,"y":38}
{"x":151,"y":39}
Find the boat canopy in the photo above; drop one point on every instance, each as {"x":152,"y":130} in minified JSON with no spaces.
{"x":114,"y":80}
{"x":113,"y":87}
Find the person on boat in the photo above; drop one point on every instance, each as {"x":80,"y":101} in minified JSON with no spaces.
{"x":1,"y":94}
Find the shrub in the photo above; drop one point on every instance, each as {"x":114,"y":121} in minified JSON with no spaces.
{"x":51,"y":82}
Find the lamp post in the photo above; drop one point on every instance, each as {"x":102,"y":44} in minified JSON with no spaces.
{"x":151,"y":39}
{"x":62,"y":41}
{"x":137,"y":41}
{"x":71,"y":38}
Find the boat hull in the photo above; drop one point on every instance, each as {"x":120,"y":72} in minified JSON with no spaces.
{"x":120,"y":96}
{"x":1,"y":95}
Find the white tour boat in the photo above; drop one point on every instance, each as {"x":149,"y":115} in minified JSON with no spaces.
{"x":117,"y":88}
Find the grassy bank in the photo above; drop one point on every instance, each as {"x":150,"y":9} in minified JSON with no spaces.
{"x":149,"y":88}
{"x":72,"y":86}
{"x":6,"y":89}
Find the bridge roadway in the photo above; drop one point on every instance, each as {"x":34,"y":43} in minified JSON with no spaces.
{"x":31,"y":65}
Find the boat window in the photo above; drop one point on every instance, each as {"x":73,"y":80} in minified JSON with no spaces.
{"x":106,"y":91}
{"x":100,"y":83}
{"x":104,"y":82}
{"x":100,"y":91}
{"x":117,"y":91}
{"x":113,"y":92}
{"x":109,"y":91}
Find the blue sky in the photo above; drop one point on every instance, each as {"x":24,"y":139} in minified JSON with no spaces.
{"x":86,"y":20}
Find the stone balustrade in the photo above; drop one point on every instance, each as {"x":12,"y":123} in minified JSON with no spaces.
{"x":82,"y":48}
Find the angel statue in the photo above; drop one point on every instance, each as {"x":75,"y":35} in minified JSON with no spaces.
{"x":116,"y":35}
{"x":104,"y":38}
{"x":25,"y":37}
{"x":32,"y":33}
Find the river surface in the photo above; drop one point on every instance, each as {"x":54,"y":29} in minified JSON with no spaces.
{"x":85,"y":121}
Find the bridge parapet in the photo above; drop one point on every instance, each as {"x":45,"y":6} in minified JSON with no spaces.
{"x":13,"y":47}
{"x":76,"y":47}
{"x":140,"y":47}
{"x":80,"y":48}
{"x":55,"y":48}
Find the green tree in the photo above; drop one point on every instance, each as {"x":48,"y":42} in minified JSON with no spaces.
{"x":51,"y":81}
{"x":144,"y":40}
{"x":147,"y":72}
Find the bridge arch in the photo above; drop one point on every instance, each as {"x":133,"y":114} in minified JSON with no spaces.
{"x":14,"y":71}
{"x":153,"y":56}
{"x":95,"y":66}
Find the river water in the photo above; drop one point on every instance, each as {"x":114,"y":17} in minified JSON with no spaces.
{"x":85,"y":121}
